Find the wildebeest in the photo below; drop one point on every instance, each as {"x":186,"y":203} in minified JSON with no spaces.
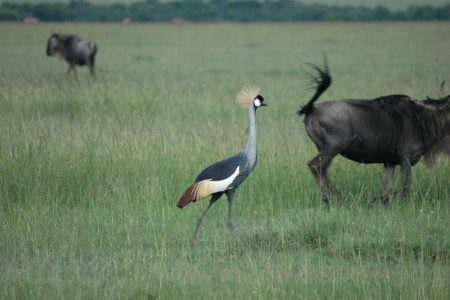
{"x":74,"y":50}
{"x":392,"y":130}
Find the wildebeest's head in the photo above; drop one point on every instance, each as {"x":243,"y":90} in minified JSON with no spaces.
{"x":53,"y":44}
{"x":442,"y":105}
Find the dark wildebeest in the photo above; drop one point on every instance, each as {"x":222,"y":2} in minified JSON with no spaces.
{"x":392,"y":130}
{"x":74,"y":50}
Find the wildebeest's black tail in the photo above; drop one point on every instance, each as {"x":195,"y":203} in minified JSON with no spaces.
{"x":93,"y":48}
{"x":320,"y":82}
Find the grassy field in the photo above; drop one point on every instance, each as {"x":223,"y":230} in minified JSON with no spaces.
{"x":90,"y":173}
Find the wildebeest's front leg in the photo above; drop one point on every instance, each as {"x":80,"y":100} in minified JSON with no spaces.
{"x":405,"y":168}
{"x":72,"y":68}
{"x":388,"y":174}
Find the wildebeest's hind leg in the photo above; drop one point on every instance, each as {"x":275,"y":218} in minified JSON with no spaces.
{"x":388,"y":175}
{"x":331,"y":146}
{"x":319,"y":167}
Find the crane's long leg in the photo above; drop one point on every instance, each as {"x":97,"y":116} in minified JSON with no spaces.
{"x":214,"y":198}
{"x":200,"y":219}
{"x":230,"y":195}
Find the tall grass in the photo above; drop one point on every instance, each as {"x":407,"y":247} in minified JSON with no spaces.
{"x":91,"y":172}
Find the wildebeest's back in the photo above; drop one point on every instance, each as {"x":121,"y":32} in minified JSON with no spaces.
{"x":393,"y":102}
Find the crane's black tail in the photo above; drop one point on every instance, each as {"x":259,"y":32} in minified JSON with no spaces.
{"x":320,"y":82}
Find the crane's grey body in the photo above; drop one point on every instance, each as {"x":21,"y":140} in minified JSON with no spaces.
{"x":245,"y":160}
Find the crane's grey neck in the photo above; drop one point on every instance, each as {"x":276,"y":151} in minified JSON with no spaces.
{"x":250,"y":148}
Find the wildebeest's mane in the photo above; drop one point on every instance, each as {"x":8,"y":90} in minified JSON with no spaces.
{"x":65,"y":42}
{"x":69,"y":39}
{"x":429,"y":127}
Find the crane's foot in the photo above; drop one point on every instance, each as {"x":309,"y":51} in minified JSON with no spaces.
{"x":194,"y":235}
{"x":193,"y":240}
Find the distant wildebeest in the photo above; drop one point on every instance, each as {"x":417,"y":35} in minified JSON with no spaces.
{"x":74,"y":50}
{"x":392,"y":130}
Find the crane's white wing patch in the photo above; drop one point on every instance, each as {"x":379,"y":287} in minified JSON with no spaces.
{"x":204,"y":188}
{"x":221,"y":185}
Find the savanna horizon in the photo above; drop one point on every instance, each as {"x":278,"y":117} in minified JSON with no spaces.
{"x":91,"y":172}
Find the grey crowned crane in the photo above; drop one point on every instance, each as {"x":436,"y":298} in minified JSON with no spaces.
{"x":225,"y":176}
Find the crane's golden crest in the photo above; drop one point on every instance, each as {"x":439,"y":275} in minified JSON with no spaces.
{"x":247,"y":94}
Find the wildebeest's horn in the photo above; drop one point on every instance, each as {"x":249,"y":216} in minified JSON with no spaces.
{"x":441,"y":90}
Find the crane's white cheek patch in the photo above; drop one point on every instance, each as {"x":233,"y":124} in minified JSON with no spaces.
{"x":220,"y":186}
{"x":257,"y":103}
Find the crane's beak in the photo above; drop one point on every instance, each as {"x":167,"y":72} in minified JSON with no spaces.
{"x":263,"y":104}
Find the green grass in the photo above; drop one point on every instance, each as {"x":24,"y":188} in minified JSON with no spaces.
{"x":90,"y":173}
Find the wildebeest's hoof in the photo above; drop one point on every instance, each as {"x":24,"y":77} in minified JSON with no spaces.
{"x":404,"y":192}
{"x":230,"y":227}
{"x":381,"y":199}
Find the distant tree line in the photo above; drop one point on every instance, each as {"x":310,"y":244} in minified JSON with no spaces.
{"x":216,"y":10}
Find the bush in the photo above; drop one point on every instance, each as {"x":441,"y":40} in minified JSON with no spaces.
{"x":216,"y":10}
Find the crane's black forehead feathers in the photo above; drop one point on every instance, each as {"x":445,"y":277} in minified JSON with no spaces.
{"x":260,"y":98}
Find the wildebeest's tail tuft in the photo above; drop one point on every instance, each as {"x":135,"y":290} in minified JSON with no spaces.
{"x":320,"y":82}
{"x":93,"y":48}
